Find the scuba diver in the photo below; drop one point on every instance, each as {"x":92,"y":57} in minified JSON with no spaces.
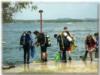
{"x":68,"y":40}
{"x":58,"y":37}
{"x":90,"y":45}
{"x":25,"y":42}
{"x":44,"y":42}
{"x":65,"y":40}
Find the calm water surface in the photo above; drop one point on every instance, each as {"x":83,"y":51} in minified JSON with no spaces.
{"x":13,"y":31}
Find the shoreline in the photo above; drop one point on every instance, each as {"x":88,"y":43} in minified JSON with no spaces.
{"x":54,"y":67}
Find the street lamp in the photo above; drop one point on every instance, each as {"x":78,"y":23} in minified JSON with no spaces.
{"x":41,"y":11}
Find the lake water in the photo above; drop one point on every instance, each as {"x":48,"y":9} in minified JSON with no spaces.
{"x":13,"y":31}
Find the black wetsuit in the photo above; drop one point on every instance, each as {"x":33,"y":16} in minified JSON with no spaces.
{"x":42,"y":41}
{"x":26,"y":47}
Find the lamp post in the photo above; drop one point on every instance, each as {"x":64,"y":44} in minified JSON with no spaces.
{"x":41,"y":11}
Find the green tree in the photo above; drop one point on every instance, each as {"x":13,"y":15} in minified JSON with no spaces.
{"x":9,"y":9}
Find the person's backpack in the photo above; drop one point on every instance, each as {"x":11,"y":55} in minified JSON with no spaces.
{"x":44,"y":39}
{"x":25,"y":40}
{"x":64,"y":40}
{"x":22,"y":40}
{"x":47,"y":41}
{"x":67,"y":35}
{"x":28,"y":40}
{"x":41,"y":38}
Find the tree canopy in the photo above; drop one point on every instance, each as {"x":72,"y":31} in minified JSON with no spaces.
{"x":9,"y":9}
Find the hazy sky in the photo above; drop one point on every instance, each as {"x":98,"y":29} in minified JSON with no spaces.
{"x":60,"y":10}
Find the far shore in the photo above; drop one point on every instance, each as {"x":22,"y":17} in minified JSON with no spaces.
{"x":55,"y":20}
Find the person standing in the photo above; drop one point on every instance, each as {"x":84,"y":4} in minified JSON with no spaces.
{"x":90,"y":45}
{"x":64,"y":40}
{"x":41,"y":41}
{"x":58,"y":37}
{"x":25,"y":41}
{"x":58,"y":56}
{"x":68,"y":40}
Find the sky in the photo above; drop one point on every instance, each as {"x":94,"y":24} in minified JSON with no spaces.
{"x":59,"y":10}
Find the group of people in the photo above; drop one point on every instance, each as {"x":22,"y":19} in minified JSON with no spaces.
{"x":65,"y":41}
{"x":28,"y":45}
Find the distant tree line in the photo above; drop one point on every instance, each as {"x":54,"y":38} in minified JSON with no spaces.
{"x":59,"y":20}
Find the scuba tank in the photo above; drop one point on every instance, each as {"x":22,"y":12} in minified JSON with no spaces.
{"x":48,"y":41}
{"x":68,"y":37}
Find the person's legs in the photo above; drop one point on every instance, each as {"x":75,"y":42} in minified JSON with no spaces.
{"x":61,"y":49}
{"x":91,"y":56}
{"x":24,"y":47}
{"x":28,"y":55}
{"x":45,"y":56}
{"x":69,"y":54}
{"x":28,"y":58}
{"x":90,"y":53}
{"x":85,"y":56}
{"x":24,"y":57}
{"x":41,"y":54}
{"x":64,"y":56}
{"x":44,"y":53}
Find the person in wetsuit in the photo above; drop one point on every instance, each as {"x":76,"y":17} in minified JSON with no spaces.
{"x":41,"y":41}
